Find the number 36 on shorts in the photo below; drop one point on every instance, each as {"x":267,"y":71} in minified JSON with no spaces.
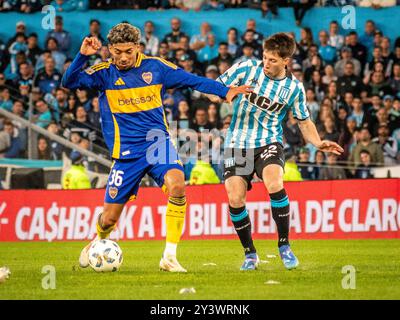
{"x":116,"y":178}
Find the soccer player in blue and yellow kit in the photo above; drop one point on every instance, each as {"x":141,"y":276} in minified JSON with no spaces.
{"x":131,"y":87}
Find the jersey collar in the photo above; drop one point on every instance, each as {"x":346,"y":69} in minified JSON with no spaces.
{"x":139,"y":59}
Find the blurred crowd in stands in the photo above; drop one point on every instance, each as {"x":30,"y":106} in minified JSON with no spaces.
{"x":352,"y":84}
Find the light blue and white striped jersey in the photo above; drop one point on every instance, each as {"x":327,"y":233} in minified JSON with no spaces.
{"x":257,"y":118}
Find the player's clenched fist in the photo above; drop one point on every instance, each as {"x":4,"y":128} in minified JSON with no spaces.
{"x":90,"y":45}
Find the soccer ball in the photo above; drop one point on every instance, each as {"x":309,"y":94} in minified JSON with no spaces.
{"x":105,"y":256}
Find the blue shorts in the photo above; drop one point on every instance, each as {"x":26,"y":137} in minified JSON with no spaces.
{"x":126,"y":175}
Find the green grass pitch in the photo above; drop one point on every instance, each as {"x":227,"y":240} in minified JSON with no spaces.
{"x":319,"y":276}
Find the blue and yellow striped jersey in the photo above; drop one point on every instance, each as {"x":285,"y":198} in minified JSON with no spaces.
{"x":130,"y":101}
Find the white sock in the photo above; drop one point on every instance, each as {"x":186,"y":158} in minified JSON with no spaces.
{"x":170,"y":249}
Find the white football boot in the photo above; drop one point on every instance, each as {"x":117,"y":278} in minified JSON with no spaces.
{"x":171,"y":264}
{"x":84,"y":256}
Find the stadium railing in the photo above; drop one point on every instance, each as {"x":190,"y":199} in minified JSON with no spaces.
{"x":8,"y":165}
{"x":55,"y":137}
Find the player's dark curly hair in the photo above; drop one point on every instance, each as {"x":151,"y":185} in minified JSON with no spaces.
{"x":123,"y":33}
{"x":281,"y":43}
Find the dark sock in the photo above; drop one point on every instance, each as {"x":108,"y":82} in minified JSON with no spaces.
{"x":241,"y":221}
{"x":280,"y":213}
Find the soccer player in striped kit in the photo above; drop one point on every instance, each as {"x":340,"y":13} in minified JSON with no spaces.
{"x":253,"y":143}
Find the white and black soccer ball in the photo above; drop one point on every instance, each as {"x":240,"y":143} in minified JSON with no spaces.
{"x":105,"y":256}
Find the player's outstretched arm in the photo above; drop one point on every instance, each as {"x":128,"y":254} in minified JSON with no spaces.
{"x":235,"y":91}
{"x":310,"y":134}
{"x":178,"y":78}
{"x":232,"y":93}
{"x":213,"y":98}
{"x":307,"y":127}
{"x":74,"y":77}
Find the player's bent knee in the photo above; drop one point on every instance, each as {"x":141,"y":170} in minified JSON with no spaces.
{"x":174,"y":182}
{"x":176,"y":189}
{"x":274,"y":186}
{"x":236,"y":201}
